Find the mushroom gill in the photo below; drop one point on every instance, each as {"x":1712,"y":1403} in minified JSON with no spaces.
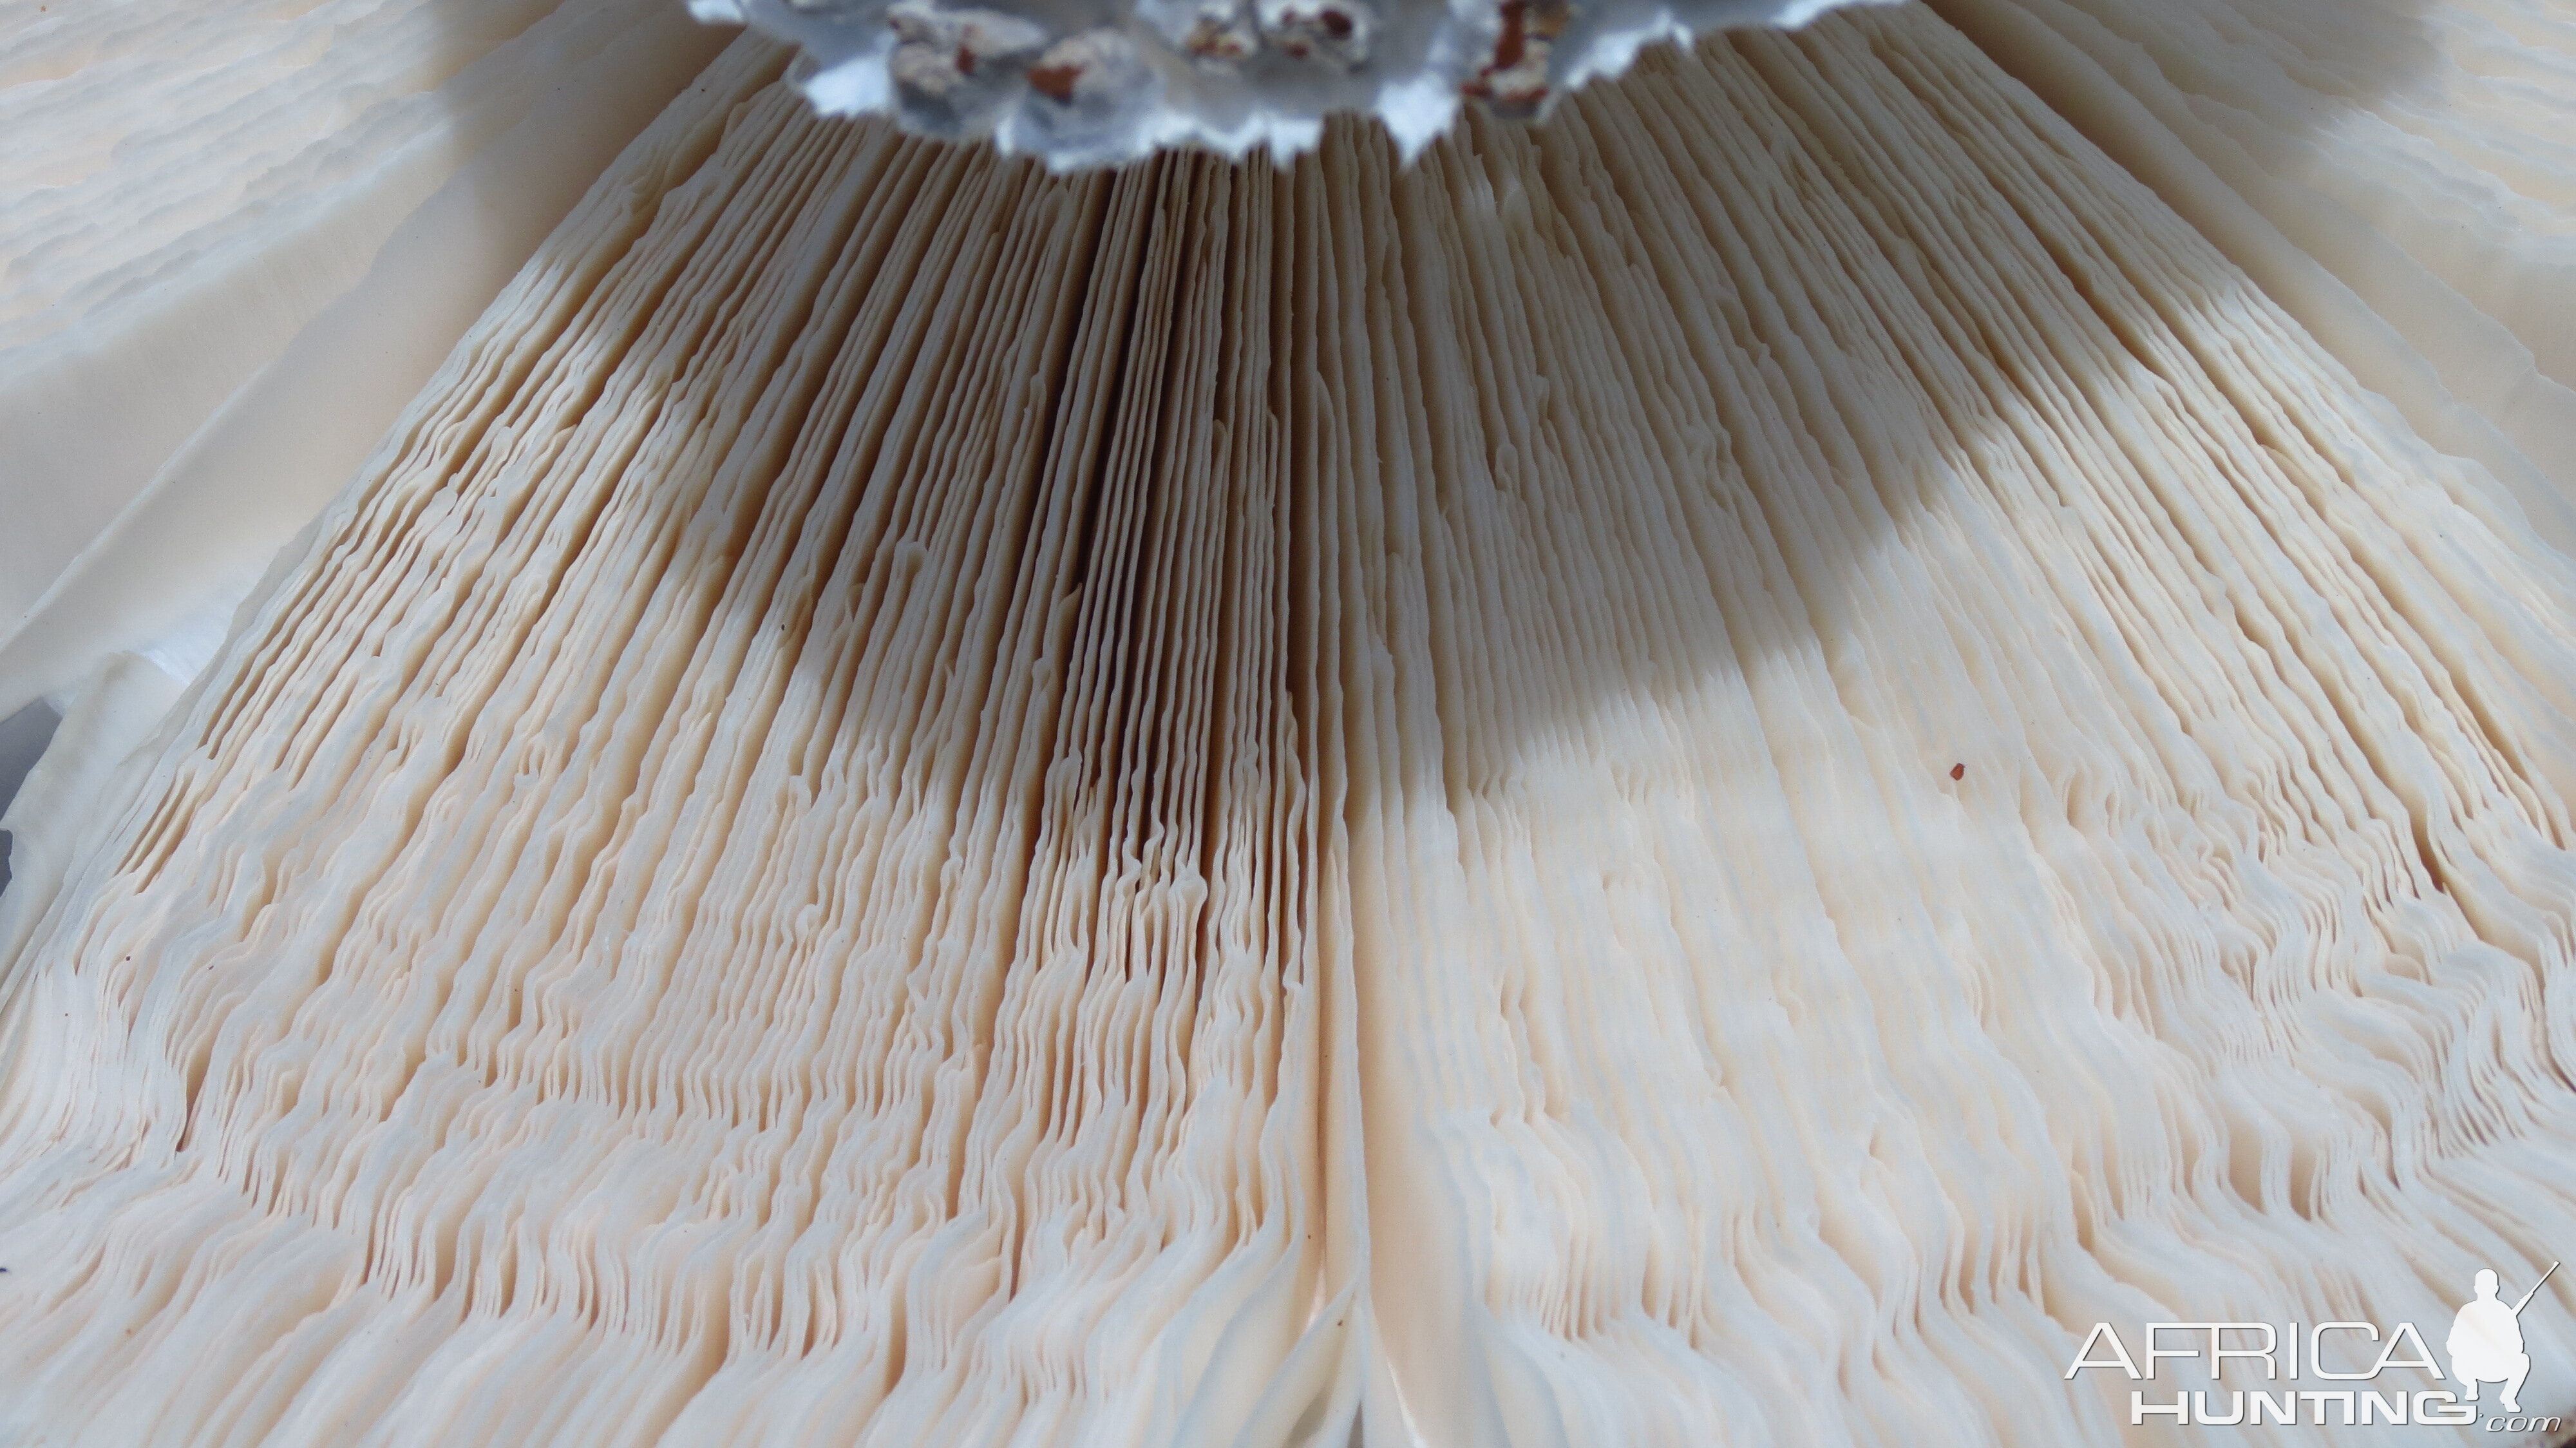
{"x":2395,"y":174}
{"x":236,"y":237}
{"x":1708,"y":772}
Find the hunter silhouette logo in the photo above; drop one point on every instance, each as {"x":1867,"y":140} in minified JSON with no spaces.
{"x":2486,"y":1341}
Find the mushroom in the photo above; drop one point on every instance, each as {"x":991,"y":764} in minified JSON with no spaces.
{"x":1714,"y":771}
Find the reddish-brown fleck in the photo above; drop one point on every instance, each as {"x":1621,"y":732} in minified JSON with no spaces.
{"x":1507,"y":50}
{"x":1958,"y":771}
{"x":1055,"y":82}
{"x":1336,"y":24}
{"x":1212,"y":41}
{"x":965,"y":61}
